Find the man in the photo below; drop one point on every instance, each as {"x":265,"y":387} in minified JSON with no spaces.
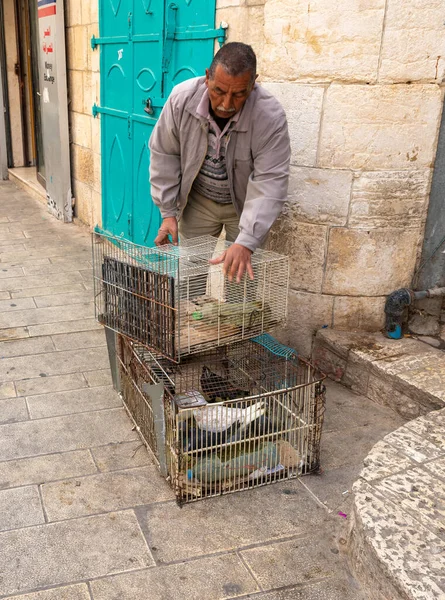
{"x":220,"y":157}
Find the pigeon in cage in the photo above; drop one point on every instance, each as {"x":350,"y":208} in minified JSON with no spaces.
{"x":194,"y":438}
{"x":214,"y":386}
{"x":217,"y":425}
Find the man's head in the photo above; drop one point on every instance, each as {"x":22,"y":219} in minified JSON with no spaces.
{"x":231,"y":78}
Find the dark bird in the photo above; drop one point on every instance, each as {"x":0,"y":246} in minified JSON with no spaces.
{"x":217,"y":387}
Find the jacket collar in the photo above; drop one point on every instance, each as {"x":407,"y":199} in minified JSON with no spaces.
{"x":198,"y":108}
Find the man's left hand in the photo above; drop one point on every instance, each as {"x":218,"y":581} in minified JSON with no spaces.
{"x":236,"y":261}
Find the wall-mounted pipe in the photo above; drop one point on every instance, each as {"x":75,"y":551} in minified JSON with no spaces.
{"x":396,"y":303}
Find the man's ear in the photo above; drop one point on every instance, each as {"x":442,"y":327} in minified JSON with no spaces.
{"x":207,"y":77}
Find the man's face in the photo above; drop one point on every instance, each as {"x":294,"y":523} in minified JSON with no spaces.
{"x":228,"y":93}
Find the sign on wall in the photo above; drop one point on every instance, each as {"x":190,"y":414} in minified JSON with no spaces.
{"x":54,"y":107}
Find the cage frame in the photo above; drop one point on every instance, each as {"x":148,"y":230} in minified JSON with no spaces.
{"x":146,"y":294}
{"x":171,"y":462}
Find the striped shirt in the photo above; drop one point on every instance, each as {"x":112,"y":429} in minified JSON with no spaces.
{"x":212,"y":181}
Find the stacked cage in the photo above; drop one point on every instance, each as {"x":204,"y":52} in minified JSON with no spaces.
{"x":221,"y":405}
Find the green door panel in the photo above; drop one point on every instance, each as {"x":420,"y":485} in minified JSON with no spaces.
{"x":147,"y":47}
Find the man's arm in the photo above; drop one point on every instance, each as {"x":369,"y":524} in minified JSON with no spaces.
{"x":165,"y":172}
{"x":268,"y":184}
{"x":265,"y":198}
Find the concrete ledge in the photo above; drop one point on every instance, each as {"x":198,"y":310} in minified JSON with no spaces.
{"x":397,"y":537}
{"x":26,"y":179}
{"x":406,"y":375}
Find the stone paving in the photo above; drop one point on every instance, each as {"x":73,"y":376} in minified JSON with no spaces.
{"x":84,"y":514}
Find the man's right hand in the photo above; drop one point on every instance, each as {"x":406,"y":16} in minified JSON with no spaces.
{"x":169,"y":227}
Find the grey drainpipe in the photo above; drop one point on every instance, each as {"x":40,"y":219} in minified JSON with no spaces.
{"x":396,"y":303}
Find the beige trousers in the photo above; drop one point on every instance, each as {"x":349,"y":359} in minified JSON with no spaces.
{"x":202,"y":216}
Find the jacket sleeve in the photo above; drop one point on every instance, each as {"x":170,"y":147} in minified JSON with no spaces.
{"x":268,"y":183}
{"x":165,"y":162}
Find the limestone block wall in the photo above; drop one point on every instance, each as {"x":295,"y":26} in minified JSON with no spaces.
{"x":361,"y":82}
{"x":83,"y":91}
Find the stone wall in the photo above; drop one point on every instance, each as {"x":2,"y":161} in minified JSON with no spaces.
{"x":360,"y":82}
{"x":83,"y":91}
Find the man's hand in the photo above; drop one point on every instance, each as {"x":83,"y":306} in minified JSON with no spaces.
{"x":168,"y":227}
{"x":236,"y":262}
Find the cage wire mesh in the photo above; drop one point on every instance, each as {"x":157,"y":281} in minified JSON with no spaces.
{"x":173,"y":301}
{"x":235,"y":417}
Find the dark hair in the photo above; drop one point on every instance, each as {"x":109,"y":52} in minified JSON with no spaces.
{"x":235,"y":58}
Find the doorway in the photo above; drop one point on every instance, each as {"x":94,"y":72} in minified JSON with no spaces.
{"x":21,"y":90}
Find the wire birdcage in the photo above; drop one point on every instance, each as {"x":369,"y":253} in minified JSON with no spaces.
{"x":171,"y":300}
{"x":228,"y":419}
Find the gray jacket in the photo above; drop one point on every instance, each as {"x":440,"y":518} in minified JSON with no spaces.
{"x":257,"y":158}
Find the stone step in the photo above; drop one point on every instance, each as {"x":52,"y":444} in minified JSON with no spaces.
{"x":406,"y":375}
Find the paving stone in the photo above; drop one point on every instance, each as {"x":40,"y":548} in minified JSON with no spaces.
{"x":53,"y":363}
{"x":210,"y":578}
{"x":38,"y":316}
{"x":325,"y":590}
{"x":384,"y":460}
{"x":87,"y":275}
{"x":63,"y":299}
{"x":12,"y":410}
{"x":333,"y":487}
{"x":71,"y":592}
{"x":14,"y":333}
{"x":60,"y":250}
{"x":420,"y":494}
{"x":412,"y":556}
{"x":84,"y":339}
{"x":412,"y":445}
{"x":72,"y":401}
{"x":121,"y":456}
{"x":64,"y":327}
{"x":25,"y":283}
{"x":50,"y":467}
{"x":104,"y":492}
{"x":7,"y":390}
{"x":360,"y":413}
{"x":26,"y":346}
{"x":80,"y":254}
{"x":61,"y":434}
{"x":295,"y":561}
{"x":66,"y":266}
{"x":20,"y":507}
{"x":7,"y":237}
{"x":42,"y":236}
{"x":45,"y":385}
{"x":57,"y":553}
{"x":45,"y":291}
{"x":336,"y":445}
{"x":8,"y":306}
{"x":21,"y":262}
{"x":222,"y":524}
{"x":99,"y":377}
{"x":11,"y":272}
{"x":5,"y":295}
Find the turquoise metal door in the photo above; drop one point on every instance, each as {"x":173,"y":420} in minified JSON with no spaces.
{"x":147,"y":47}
